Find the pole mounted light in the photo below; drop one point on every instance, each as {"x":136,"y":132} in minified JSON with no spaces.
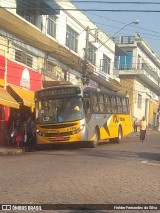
{"x":133,"y":22}
{"x":85,"y":78}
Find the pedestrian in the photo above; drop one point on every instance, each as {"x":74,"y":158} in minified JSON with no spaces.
{"x":143,"y":128}
{"x":135,"y":125}
{"x":29,"y":134}
{"x":16,"y":130}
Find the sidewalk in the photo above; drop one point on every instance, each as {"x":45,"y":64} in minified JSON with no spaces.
{"x":10,"y":151}
{"x":149,"y":132}
{"x":14,"y":151}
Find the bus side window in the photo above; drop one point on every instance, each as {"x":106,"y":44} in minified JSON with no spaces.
{"x":87,"y":102}
{"x":94,"y":102}
{"x":119,"y":104}
{"x":108,"y":108}
{"x":125,"y":105}
{"x":114,"y":104}
{"x":101,"y":103}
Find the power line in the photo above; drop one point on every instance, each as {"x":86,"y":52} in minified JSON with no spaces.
{"x":115,"y":2}
{"x":109,"y":10}
{"x":98,"y":10}
{"x":111,"y":20}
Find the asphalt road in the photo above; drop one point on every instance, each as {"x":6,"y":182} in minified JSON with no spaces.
{"x":125,"y":173}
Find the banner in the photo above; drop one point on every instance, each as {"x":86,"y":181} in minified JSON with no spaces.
{"x":83,"y":207}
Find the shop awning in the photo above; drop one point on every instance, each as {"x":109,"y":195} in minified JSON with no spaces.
{"x":7,"y":100}
{"x":27,"y":97}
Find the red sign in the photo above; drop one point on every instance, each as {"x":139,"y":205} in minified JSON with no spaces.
{"x":23,"y":76}
{"x":2,"y":66}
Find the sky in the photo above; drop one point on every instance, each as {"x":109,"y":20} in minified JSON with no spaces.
{"x":111,"y":22}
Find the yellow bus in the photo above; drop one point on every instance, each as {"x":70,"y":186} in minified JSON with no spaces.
{"x":69,"y":114}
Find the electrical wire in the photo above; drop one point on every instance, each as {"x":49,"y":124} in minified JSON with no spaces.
{"x":113,"y":2}
{"x":124,"y":23}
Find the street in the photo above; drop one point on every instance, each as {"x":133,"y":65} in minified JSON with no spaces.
{"x":125,"y":173}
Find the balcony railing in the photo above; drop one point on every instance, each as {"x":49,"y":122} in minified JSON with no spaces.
{"x":139,"y":66}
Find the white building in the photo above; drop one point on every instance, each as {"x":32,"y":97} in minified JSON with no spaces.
{"x":42,"y":29}
{"x":139,"y":71}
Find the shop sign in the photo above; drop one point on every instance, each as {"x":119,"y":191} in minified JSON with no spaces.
{"x":25,"y":79}
{"x":93,"y":84}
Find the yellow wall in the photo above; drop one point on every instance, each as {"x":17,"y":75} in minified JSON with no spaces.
{"x":152,"y":109}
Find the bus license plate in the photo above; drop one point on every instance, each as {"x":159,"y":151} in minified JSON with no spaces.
{"x":59,"y":138}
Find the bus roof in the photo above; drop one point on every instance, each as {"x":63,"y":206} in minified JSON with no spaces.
{"x":86,"y":88}
{"x":105,"y":91}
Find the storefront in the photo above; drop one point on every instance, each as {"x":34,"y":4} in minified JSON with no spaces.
{"x":17,"y":86}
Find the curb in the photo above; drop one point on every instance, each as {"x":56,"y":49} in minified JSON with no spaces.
{"x":6,"y":151}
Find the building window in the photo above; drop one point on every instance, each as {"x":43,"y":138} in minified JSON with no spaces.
{"x":126,"y":61}
{"x":29,"y":60}
{"x":32,"y":19}
{"x":51,"y":26}
{"x":51,"y":69}
{"x":72,"y":39}
{"x":139,"y":103}
{"x":127,"y":39}
{"x":23,"y":58}
{"x":92,"y":54}
{"x":105,"y":64}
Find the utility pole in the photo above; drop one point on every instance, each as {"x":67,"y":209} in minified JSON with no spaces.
{"x":85,"y":78}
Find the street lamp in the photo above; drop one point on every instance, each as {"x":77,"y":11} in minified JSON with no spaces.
{"x":85,"y":78}
{"x":133,"y":22}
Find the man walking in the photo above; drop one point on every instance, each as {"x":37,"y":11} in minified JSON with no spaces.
{"x":143,"y":127}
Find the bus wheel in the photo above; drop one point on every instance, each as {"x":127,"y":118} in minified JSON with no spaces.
{"x":119,"y":138}
{"x":94,"y":143}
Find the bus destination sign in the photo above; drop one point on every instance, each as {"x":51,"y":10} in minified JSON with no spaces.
{"x":58,"y":91}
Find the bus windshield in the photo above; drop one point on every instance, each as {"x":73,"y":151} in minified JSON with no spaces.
{"x":59,"y":110}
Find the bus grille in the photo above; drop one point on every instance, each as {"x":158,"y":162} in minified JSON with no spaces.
{"x":56,"y":135}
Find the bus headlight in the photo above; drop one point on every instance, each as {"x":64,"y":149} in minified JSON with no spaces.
{"x":38,"y":132}
{"x":79,"y":129}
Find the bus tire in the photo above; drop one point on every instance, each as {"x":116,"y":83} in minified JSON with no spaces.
{"x":119,"y":138}
{"x":94,"y":144}
{"x":120,"y":134}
